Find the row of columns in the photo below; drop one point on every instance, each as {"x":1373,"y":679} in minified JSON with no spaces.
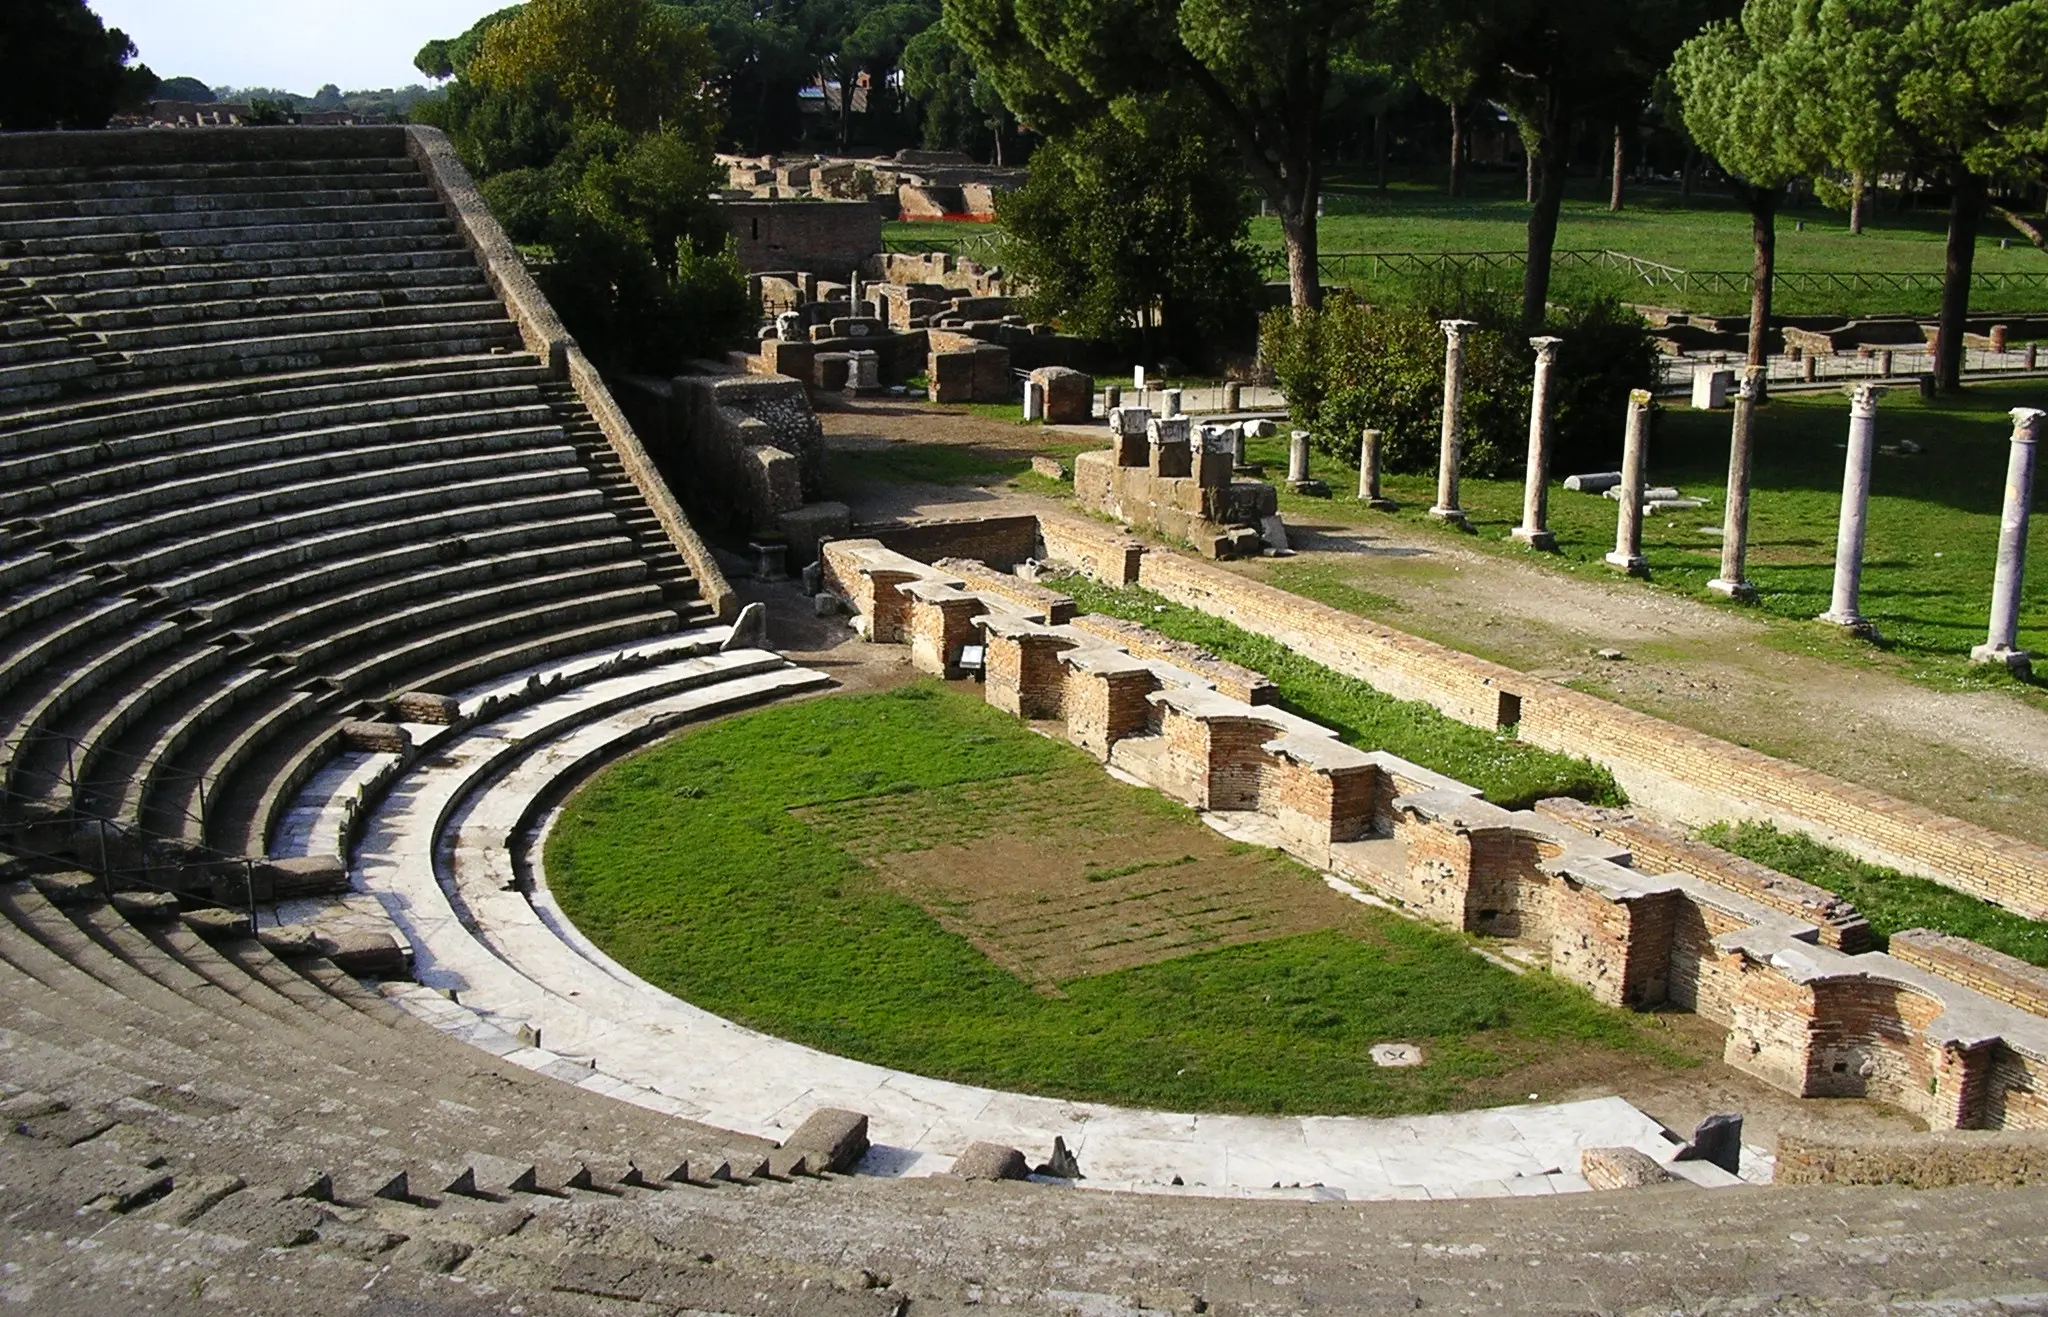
{"x":2001,"y":645}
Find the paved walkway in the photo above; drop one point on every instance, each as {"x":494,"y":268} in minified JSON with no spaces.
{"x":444,"y":855}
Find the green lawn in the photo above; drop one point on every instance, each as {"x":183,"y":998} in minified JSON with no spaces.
{"x":1706,"y":233}
{"x":688,"y":863}
{"x":1932,"y":531}
{"x":1509,"y":772}
{"x":1890,"y":900}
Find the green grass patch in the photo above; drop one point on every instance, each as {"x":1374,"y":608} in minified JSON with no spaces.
{"x":1890,"y":900}
{"x":1932,"y":531}
{"x":1509,"y":772}
{"x":690,"y":865}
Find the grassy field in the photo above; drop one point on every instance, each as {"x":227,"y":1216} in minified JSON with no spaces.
{"x":1509,"y":772}
{"x":1705,"y":233}
{"x":1890,"y":900}
{"x":713,"y":865}
{"x":1932,"y":531}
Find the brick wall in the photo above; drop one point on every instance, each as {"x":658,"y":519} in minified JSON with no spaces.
{"x":1001,"y":542}
{"x":1658,"y":848}
{"x":1978,"y":968}
{"x":824,"y":237}
{"x":1680,"y":772}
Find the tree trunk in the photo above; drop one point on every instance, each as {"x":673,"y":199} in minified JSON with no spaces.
{"x":1379,"y":148}
{"x":2027,"y":229}
{"x":1859,"y":202}
{"x":1965,"y":212}
{"x":1685,"y":172}
{"x":1620,"y":164}
{"x":1529,"y":175}
{"x":1549,"y":197}
{"x":1304,"y":280}
{"x":1457,"y":185}
{"x":1763,"y":233}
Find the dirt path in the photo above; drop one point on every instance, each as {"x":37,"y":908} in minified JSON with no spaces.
{"x":1979,"y":755}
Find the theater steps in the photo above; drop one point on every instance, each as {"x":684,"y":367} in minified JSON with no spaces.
{"x":272,"y":451}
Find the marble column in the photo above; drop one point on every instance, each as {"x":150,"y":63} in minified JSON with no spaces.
{"x":1297,"y":457}
{"x":1034,"y":400}
{"x":1369,"y":473}
{"x":1842,"y":608}
{"x":1732,"y":581}
{"x":1446,"y":508}
{"x":2002,"y":645}
{"x":1534,"y":530}
{"x":1628,"y":528}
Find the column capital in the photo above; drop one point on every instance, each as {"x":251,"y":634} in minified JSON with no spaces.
{"x":1638,"y":397}
{"x":2026,"y":424}
{"x":1455,"y":329}
{"x":1863,"y":399}
{"x":1546,"y":347}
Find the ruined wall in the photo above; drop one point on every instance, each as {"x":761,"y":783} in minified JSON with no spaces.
{"x":1680,"y":772}
{"x":821,"y":237}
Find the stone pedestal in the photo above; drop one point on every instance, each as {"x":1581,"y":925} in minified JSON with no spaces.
{"x":1842,"y":606}
{"x":1711,"y":386}
{"x":1446,"y":507}
{"x":1233,"y":394}
{"x":1732,"y":582}
{"x":1034,"y":400}
{"x":1628,"y":530}
{"x":1369,"y":473}
{"x":2002,"y":644}
{"x":1534,"y":530}
{"x":864,"y":371}
{"x":1169,"y":402}
{"x":1112,"y":398}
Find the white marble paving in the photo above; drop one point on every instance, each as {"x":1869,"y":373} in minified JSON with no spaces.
{"x":438,"y":853}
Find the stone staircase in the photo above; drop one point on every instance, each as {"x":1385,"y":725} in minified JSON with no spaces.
{"x":271,"y":452}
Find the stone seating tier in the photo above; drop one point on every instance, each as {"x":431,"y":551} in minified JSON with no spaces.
{"x":271,"y":446}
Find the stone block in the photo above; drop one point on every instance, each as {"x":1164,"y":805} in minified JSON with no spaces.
{"x":805,"y":527}
{"x":1717,"y":1139}
{"x":425,"y":707}
{"x":991,"y":1161}
{"x":951,"y":376}
{"x":375,"y":737}
{"x":992,"y":373}
{"x":305,"y":875}
{"x":1069,"y":395}
{"x":831,"y":1139}
{"x":367,"y":954}
{"x":1620,"y":1168}
{"x":830,"y":370}
{"x":794,"y":359}
{"x":855,"y":327}
{"x":1049,"y":467}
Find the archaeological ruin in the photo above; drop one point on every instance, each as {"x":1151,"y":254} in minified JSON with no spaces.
{"x":330,"y":565}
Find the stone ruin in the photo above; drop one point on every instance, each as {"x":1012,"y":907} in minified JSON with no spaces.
{"x":913,"y":184}
{"x":1628,"y":908}
{"x":1166,"y":475}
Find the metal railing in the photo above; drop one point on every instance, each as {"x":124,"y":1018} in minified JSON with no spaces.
{"x":1656,"y":274}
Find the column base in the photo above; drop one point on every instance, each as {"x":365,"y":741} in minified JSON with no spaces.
{"x":1454,"y":516}
{"x":1740,"y":591}
{"x":2019,"y":661}
{"x":1854,"y":623}
{"x":1634,"y":564}
{"x":1535,"y":539}
{"x":1379,"y":504}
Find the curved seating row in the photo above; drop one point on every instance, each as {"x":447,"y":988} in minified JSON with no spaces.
{"x":270,"y":453}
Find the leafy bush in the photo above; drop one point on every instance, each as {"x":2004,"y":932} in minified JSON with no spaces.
{"x":1354,"y":366}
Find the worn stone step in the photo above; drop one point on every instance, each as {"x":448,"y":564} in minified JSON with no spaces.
{"x":212,"y":284}
{"x":340,"y":296}
{"x":136,"y":341}
{"x":144,"y":199}
{"x":187,"y":221}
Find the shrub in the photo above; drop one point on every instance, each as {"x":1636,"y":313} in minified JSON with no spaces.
{"x":1354,"y":366}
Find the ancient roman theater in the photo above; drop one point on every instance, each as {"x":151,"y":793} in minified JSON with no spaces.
{"x":432,"y":885}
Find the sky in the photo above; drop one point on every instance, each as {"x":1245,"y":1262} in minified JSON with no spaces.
{"x":296,"y":45}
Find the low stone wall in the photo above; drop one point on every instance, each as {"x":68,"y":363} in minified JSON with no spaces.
{"x":1978,"y":968}
{"x":1925,"y":1161}
{"x":1001,"y":542}
{"x":1159,"y":475}
{"x":1805,"y":1016}
{"x":1683,"y":774}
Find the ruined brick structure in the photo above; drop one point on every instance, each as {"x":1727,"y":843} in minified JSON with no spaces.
{"x":1945,"y":1030}
{"x":1160,"y":474}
